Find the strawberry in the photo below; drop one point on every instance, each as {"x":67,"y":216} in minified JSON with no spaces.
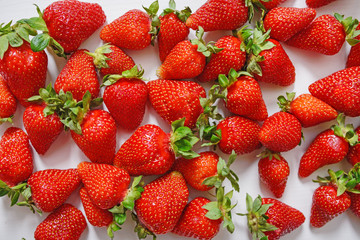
{"x":152,"y":151}
{"x":68,"y":221}
{"x":162,"y":203}
{"x":16,"y":161}
{"x":355,"y":201}
{"x":194,"y":223}
{"x":219,"y":15}
{"x":340,"y":90}
{"x":285,"y":22}
{"x":280,"y":132}
{"x":308,"y":109}
{"x":271,"y":218}
{"x":8,"y":102}
{"x":354,"y":151}
{"x":318,"y":3}
{"x":78,"y":76}
{"x":271,"y":4}
{"x":174,"y":100}
{"x":110,"y":59}
{"x":125,"y":97}
{"x":274,"y":171}
{"x":353,"y":58}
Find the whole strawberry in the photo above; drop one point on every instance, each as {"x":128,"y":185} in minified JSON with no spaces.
{"x":173,"y":100}
{"x":353,"y":58}
{"x":318,"y":3}
{"x":355,"y":201}
{"x":354,"y":151}
{"x":68,"y":221}
{"x":8,"y":102}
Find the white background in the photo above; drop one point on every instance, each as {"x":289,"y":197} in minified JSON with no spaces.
{"x":18,"y":222}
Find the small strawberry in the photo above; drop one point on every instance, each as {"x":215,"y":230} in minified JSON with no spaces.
{"x":340,"y":90}
{"x":68,"y":221}
{"x":8,"y":102}
{"x":219,"y":15}
{"x":354,"y":151}
{"x":151,"y":151}
{"x":174,"y":100}
{"x":308,"y":109}
{"x":273,"y":171}
{"x":16,"y":161}
{"x":318,"y":3}
{"x":353,"y":58}
{"x":280,"y":132}
{"x":355,"y":201}
{"x":285,"y":22}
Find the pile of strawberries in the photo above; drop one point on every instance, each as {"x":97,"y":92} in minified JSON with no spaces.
{"x":229,"y":115}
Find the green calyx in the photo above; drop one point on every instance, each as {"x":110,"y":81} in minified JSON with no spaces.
{"x":135,"y":72}
{"x":345,"y":131}
{"x":182,"y":140}
{"x":8,"y":119}
{"x":141,"y":230}
{"x":99,"y":56}
{"x":232,"y":77}
{"x":284,"y":102}
{"x":255,"y":5}
{"x":206,"y":49}
{"x":338,"y":179}
{"x":350,"y":26}
{"x":183,"y":15}
{"x":267,"y":153}
{"x":353,"y":179}
{"x":155,"y":21}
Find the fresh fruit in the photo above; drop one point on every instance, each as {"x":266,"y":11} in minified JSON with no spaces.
{"x":354,"y":151}
{"x":219,"y":15}
{"x":174,"y":100}
{"x":68,"y":221}
{"x":16,"y":161}
{"x":340,"y":91}
{"x":355,"y":201}
{"x":8,"y":102}
{"x":162,"y":203}
{"x":285,"y":22}
{"x":353,"y":58}
{"x":151,"y":151}
{"x":280,"y":132}
{"x":318,"y":3}
{"x":106,"y":184}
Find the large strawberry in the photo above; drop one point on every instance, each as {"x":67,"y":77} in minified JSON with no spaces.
{"x":354,"y":152}
{"x":340,"y":90}
{"x":152,"y":151}
{"x":8,"y":102}
{"x":219,"y":15}
{"x":174,"y":100}
{"x":68,"y":221}
{"x":318,"y":3}
{"x":353,"y":58}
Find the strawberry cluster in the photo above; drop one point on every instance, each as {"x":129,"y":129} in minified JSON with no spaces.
{"x":235,"y":67}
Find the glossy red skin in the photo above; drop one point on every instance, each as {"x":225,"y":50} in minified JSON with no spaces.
{"x":24,"y":71}
{"x":78,"y":76}
{"x":42,"y":131}
{"x":272,"y":4}
{"x":126,"y":101}
{"x":8,"y":102}
{"x":219,"y":15}
{"x":327,"y":148}
{"x":341,"y":90}
{"x":51,"y":187}
{"x":172,"y":31}
{"x":16,"y":161}
{"x":162,"y":203}
{"x":282,"y":216}
{"x":130,"y":30}
{"x":239,"y":134}
{"x":71,"y":22}
{"x":355,"y":201}
{"x":220,"y":63}
{"x":98,"y":139}
{"x":354,"y":54}
{"x":318,"y":3}
{"x":119,"y":61}
{"x":354,"y":151}
{"x":327,"y":205}
{"x":68,"y":221}
{"x":193,"y":222}
{"x":174,"y":100}
{"x":146,"y":152}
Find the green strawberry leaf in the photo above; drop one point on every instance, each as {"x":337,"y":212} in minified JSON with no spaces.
{"x":4,"y":45}
{"x":40,"y":42}
{"x":14,"y":39}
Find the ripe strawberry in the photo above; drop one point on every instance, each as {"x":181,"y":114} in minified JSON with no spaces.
{"x":354,"y":54}
{"x":162,"y":203}
{"x":354,"y":151}
{"x":274,"y":171}
{"x":68,"y":221}
{"x":219,"y":15}
{"x":318,"y":3}
{"x":280,"y":132}
{"x":8,"y":102}
{"x":16,"y":162}
{"x":285,"y":22}
{"x":194,"y":223}
{"x":173,"y":100}
{"x":355,"y":201}
{"x":78,"y":76}
{"x":152,"y":151}
{"x":308,"y":109}
{"x":340,"y":90}
{"x":106,"y":184}
{"x":238,"y":134}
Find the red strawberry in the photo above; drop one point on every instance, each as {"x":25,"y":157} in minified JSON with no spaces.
{"x":285,"y":22}
{"x":106,"y":184}
{"x":308,"y":109}
{"x":340,"y":90}
{"x":162,"y":203}
{"x":7,"y":102}
{"x":271,"y":4}
{"x":238,"y":134}
{"x":16,"y":162}
{"x":354,"y":54}
{"x":354,"y":152}
{"x":355,"y":201}
{"x":219,"y":15}
{"x":68,"y":221}
{"x":78,"y":76}
{"x":280,"y":132}
{"x":174,"y":100}
{"x":152,"y":151}
{"x":274,"y":171}
{"x":42,"y":130}
{"x":318,"y":3}
{"x":194,"y":223}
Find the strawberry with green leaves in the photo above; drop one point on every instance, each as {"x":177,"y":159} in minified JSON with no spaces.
{"x":354,"y":151}
{"x":318,"y":3}
{"x":8,"y":103}
{"x":353,"y":58}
